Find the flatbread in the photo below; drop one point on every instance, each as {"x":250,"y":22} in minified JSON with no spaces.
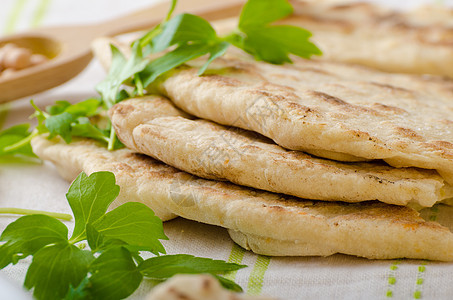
{"x":326,"y":107}
{"x":153,"y":126}
{"x":373,"y":230}
{"x":418,"y":41}
{"x":331,"y":110}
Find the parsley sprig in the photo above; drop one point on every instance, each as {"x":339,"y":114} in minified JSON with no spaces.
{"x":186,"y":37}
{"x":192,"y":36}
{"x":113,"y":267}
{"x":174,"y":42}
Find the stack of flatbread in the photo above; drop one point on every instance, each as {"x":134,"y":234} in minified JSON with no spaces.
{"x":314,"y":158}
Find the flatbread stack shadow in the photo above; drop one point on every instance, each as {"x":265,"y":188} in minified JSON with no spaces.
{"x":314,"y":158}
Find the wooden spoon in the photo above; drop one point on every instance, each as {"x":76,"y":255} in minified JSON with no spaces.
{"x":69,"y":47}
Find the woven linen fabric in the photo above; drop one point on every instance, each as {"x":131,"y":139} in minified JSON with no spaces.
{"x":38,"y":186}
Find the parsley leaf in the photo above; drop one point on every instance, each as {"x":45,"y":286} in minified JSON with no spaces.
{"x":55,"y":268}
{"x":133,"y":223}
{"x":172,"y":60}
{"x":60,"y":125}
{"x":64,"y":116}
{"x":121,"y":70}
{"x":163,"y":267}
{"x":89,"y":198}
{"x":87,"y":108}
{"x":183,"y":29}
{"x":271,"y":43}
{"x":228,"y":284}
{"x":24,"y":238}
{"x":215,"y":51}
{"x":257,"y":13}
{"x":84,"y":128}
{"x":14,"y":135}
{"x":114,"y":275}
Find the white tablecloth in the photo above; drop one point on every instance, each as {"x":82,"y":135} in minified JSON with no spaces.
{"x":335,"y":277}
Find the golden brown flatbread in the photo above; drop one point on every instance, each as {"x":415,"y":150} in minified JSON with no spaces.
{"x":418,"y":41}
{"x":326,"y":107}
{"x":153,"y":126}
{"x":373,"y":229}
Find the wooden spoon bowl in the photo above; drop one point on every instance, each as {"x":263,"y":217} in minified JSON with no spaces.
{"x":68,"y":48}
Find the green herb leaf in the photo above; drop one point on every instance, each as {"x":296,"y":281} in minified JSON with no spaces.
{"x":215,"y":51}
{"x":90,"y":131}
{"x":146,"y":41}
{"x":60,"y":269}
{"x":85,"y":108}
{"x":80,"y":292}
{"x":229,"y":284}
{"x":89,"y":198}
{"x":41,"y":117}
{"x":27,"y":235}
{"x":172,"y":60}
{"x":182,"y":29}
{"x":120,"y":71}
{"x":161,"y":267}
{"x":54,"y":268}
{"x":14,"y":135}
{"x":114,"y":275}
{"x":58,"y":107}
{"x":257,"y":13}
{"x":133,"y":223}
{"x":60,"y":125}
{"x":64,"y":117}
{"x":271,"y":43}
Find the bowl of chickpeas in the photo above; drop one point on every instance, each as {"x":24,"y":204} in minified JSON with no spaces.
{"x":25,"y":53}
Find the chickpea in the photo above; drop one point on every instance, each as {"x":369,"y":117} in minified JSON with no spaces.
{"x":37,"y":59}
{"x":13,"y":58}
{"x":7,"y":72}
{"x":18,"y":58}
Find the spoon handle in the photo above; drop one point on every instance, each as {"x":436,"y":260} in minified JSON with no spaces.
{"x":148,"y":17}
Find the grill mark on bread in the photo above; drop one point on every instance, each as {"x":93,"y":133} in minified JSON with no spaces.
{"x":407,"y":132}
{"x":178,"y":294}
{"x":124,"y":109}
{"x":343,"y":104}
{"x":390,"y":108}
{"x":279,"y":87}
{"x":299,"y":108}
{"x":222,"y":80}
{"x":429,"y":34}
{"x":443,"y":147}
{"x":365,"y":7}
{"x":392,"y":88}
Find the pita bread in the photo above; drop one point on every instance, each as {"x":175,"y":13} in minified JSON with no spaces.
{"x":363,"y":33}
{"x":323,"y":106}
{"x":418,"y":41}
{"x":153,"y":126}
{"x":372,"y":229}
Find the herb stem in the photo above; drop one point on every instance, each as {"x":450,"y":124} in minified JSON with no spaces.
{"x":82,"y":236}
{"x":23,"y":211}
{"x":138,"y":84}
{"x":21,"y":143}
{"x":111,"y":139}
